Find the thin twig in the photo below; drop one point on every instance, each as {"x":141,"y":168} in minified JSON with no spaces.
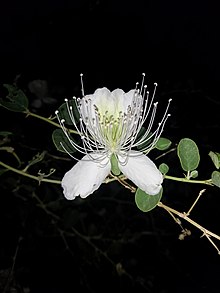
{"x":195,"y":202}
{"x":184,"y":216}
{"x":48,"y":120}
{"x":13,"y":266}
{"x":21,"y":172}
{"x":122,"y":181}
{"x":207,"y":182}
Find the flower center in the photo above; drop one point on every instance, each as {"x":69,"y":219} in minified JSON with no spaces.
{"x":110,"y":128}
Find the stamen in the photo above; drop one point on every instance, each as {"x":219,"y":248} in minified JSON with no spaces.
{"x":142,"y":83}
{"x":77,"y":103}
{"x":82,"y":87}
{"x":71,"y":115}
{"x":156,"y":134}
{"x":74,"y":145}
{"x":152,"y":99}
{"x":144,"y":92}
{"x":65,"y":149}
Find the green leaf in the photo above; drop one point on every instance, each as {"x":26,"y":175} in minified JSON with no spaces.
{"x":164,"y":168}
{"x":215,"y":157}
{"x":194,"y":174}
{"x":188,"y":154}
{"x":63,"y":110}
{"x":114,"y":165}
{"x":216,"y":178}
{"x":146,"y":202}
{"x":163,"y":144}
{"x":59,"y":137}
{"x":16,"y":99}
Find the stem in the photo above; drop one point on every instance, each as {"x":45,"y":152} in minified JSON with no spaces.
{"x":195,"y":202}
{"x":11,"y":151}
{"x":207,"y":182}
{"x":42,"y":118}
{"x":48,"y":120}
{"x":185,"y":217}
{"x":21,"y":172}
{"x":121,"y":179}
{"x":114,"y":178}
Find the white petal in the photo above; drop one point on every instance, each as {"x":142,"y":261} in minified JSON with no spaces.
{"x":104,"y":100}
{"x":142,"y":172}
{"x":101,"y":95}
{"x":118,"y":93}
{"x":85,"y":177}
{"x":128,"y":98}
{"x":110,"y":102}
{"x":100,"y":98}
{"x":118,"y":96}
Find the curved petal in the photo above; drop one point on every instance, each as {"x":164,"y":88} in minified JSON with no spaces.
{"x":118,"y":96}
{"x":102,"y":99}
{"x":110,"y":102}
{"x":85,"y":177}
{"x":142,"y":172}
{"x":127,"y":101}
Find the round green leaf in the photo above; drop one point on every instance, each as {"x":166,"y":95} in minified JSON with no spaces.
{"x":146,"y":202}
{"x":188,"y":154}
{"x":16,"y":99}
{"x":163,"y":144}
{"x":215,"y":157}
{"x":216,"y":178}
{"x":59,"y":137}
{"x":164,"y":168}
{"x":194,"y":174}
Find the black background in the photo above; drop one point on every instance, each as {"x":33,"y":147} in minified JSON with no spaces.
{"x":176,"y":43}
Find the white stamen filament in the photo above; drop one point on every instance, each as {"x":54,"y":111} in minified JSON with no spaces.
{"x":82,"y":87}
{"x":105,"y":133}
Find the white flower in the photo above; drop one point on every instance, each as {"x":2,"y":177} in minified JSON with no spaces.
{"x":109,"y":125}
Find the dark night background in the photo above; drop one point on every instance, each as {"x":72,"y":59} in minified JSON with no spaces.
{"x":104,"y":243}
